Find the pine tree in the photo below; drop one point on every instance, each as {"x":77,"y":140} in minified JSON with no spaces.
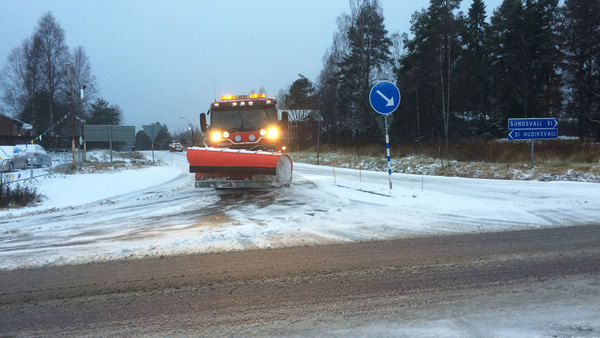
{"x":526,"y":59}
{"x":474,"y":73}
{"x":430,"y":62}
{"x":301,"y":95}
{"x":369,"y":52}
{"x":581,"y":41}
{"x":104,"y":114}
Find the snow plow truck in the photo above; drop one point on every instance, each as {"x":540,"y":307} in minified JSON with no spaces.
{"x":243,"y":147}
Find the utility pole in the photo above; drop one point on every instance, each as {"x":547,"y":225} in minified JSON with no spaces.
{"x":70,"y":77}
{"x":83,"y":123}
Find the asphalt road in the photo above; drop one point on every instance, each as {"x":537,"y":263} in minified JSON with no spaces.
{"x":469,"y":284}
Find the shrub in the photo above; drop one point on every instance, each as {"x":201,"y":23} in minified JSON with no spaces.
{"x":17,"y":196}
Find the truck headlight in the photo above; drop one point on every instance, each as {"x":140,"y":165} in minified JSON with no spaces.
{"x":272,"y":132}
{"x":216,"y":136}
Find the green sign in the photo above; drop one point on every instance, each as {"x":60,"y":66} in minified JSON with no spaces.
{"x":106,"y":133}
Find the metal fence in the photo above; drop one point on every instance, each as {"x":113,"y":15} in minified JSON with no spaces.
{"x":32,"y":174}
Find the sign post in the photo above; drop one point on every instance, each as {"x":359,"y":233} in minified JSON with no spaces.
{"x":532,"y":129}
{"x":385,"y":98}
{"x":152,"y":131}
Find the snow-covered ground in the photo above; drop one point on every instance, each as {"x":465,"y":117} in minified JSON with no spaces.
{"x":157,"y":211}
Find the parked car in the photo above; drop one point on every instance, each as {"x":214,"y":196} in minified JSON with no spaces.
{"x":9,"y":161}
{"x":36,"y":154}
{"x":175,"y":147}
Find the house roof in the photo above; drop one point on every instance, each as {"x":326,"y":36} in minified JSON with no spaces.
{"x":12,"y":118}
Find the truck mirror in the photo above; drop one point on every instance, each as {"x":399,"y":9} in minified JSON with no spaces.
{"x":203,"y":125}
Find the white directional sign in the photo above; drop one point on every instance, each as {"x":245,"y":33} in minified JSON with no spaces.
{"x":384,"y":97}
{"x":532,"y":128}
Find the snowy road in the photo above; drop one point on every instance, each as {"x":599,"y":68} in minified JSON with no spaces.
{"x":144,"y":215}
{"x":540,"y":283}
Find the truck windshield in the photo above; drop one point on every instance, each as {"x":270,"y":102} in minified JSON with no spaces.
{"x":242,"y":120}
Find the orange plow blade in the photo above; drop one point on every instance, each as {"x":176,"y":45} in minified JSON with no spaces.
{"x":229,"y":168}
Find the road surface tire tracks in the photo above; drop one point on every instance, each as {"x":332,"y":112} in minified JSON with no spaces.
{"x":241,"y":288}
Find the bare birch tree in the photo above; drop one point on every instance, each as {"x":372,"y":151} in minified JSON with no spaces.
{"x":83,"y":79}
{"x":55,"y":56}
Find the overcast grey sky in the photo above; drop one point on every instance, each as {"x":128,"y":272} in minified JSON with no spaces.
{"x":159,"y":60}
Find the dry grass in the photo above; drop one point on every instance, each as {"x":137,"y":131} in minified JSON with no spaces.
{"x":99,"y":163}
{"x":553,"y":159}
{"x":571,"y":151}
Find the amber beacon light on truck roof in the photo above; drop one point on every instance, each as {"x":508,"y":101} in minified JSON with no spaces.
{"x":243,"y":100}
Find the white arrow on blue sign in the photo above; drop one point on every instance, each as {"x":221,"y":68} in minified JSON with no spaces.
{"x":533,"y":123}
{"x":532,"y":134}
{"x":384,"y":97}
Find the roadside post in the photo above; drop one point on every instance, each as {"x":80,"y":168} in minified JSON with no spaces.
{"x":70,"y":71}
{"x":532,"y":129}
{"x":385,"y":99}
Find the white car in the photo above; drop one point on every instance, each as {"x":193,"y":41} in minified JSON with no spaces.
{"x":9,"y":162}
{"x":35,"y":153}
{"x":176,"y":147}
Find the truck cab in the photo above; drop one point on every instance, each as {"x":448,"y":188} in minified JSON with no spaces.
{"x":244,"y":122}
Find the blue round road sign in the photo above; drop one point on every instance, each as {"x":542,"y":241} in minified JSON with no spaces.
{"x":384,"y":97}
